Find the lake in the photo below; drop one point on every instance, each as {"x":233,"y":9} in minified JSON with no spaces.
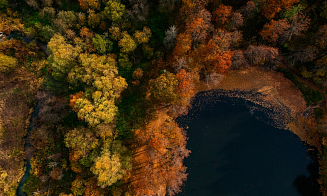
{"x":235,"y":152}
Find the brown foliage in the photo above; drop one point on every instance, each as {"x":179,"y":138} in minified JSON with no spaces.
{"x":89,"y":4}
{"x":56,"y":173}
{"x":271,"y":7}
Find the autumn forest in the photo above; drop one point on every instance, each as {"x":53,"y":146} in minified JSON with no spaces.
{"x":97,"y":85}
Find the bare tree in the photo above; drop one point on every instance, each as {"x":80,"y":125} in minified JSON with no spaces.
{"x":248,"y":10}
{"x":168,"y":5}
{"x":236,"y":21}
{"x":139,"y":11}
{"x":298,"y":25}
{"x":238,"y":60}
{"x":170,"y":37}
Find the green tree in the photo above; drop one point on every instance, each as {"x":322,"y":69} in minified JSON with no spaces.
{"x":102,"y":44}
{"x":124,"y":61}
{"x":3,"y":3}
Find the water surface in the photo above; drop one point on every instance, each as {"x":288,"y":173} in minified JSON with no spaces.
{"x":235,"y":154}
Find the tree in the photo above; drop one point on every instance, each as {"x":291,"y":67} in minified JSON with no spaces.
{"x":115,"y":33}
{"x":7,"y":63}
{"x":157,"y":161}
{"x":102,"y":44}
{"x":274,"y":30}
{"x":47,"y":3}
{"x":170,"y":36}
{"x":236,"y":20}
{"x":112,"y":165}
{"x":298,"y":25}
{"x":183,"y":44}
{"x":89,"y":4}
{"x":271,"y":7}
{"x":143,"y":36}
{"x":3,"y":3}
{"x":62,"y":56}
{"x":56,"y":173}
{"x":138,"y":74}
{"x":126,"y":43}
{"x":139,"y":11}
{"x":163,"y":88}
{"x":185,"y":88}
{"x":78,"y":186}
{"x":223,"y":15}
{"x":114,"y":10}
{"x":238,"y":60}
{"x":87,"y":36}
{"x":200,"y":26}
{"x":262,"y":55}
{"x":93,"y":19}
{"x":167,"y":5}
{"x":99,"y":72}
{"x":248,"y":9}
{"x":124,"y":62}
{"x":81,"y":140}
{"x":304,"y":55}
{"x":65,"y":20}
{"x":198,"y":29}
{"x":9,"y":24}
{"x":92,"y":188}
{"x":321,"y":37}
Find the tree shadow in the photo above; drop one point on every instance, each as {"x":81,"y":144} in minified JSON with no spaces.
{"x":308,"y":185}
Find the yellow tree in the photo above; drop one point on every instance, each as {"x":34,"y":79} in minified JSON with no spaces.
{"x":127,"y":43}
{"x":7,"y":63}
{"x":112,"y":165}
{"x":114,"y":10}
{"x":62,"y":56}
{"x":143,"y":36}
{"x":100,"y":73}
{"x":163,"y":88}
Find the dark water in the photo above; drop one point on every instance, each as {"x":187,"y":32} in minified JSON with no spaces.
{"x":28,"y":146}
{"x":235,"y":154}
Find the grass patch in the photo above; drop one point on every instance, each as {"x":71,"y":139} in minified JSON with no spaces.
{"x":311,"y":96}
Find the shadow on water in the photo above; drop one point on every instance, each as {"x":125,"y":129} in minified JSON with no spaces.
{"x":28,"y":151}
{"x":309,"y":186}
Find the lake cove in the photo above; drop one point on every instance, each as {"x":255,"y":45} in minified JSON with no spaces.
{"x":236,"y":152}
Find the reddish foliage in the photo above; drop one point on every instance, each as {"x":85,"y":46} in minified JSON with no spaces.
{"x":273,"y":30}
{"x":223,"y":15}
{"x":185,"y":87}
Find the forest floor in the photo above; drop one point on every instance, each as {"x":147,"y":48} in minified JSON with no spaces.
{"x":17,"y":94}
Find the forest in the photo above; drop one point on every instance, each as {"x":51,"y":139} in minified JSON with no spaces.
{"x":109,"y":78}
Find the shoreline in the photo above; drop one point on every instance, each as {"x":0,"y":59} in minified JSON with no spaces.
{"x":270,"y":90}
